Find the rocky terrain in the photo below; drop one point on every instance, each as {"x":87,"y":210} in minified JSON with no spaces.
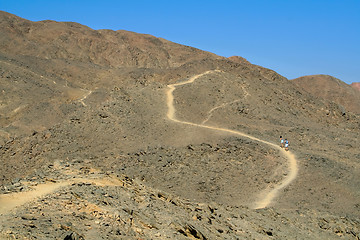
{"x":103,"y":205}
{"x":89,"y":149}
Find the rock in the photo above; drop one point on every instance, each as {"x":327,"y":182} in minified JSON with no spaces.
{"x":28,"y":217}
{"x":74,"y":236}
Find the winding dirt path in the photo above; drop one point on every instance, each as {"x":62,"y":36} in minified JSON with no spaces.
{"x":265,"y":198}
{"x":10,"y":201}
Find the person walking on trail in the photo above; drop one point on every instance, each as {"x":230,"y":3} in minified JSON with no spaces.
{"x":286,"y":145}
{"x":281,"y":142}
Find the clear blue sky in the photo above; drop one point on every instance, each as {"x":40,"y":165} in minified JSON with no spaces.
{"x":293,"y":37}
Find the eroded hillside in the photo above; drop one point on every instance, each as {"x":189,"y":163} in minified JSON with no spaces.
{"x":84,"y":108}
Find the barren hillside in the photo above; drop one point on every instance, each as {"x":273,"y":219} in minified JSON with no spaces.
{"x":356,"y":86}
{"x":118,"y":135}
{"x":332,"y":89}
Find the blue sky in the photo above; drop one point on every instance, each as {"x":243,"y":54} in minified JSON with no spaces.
{"x":293,"y":37}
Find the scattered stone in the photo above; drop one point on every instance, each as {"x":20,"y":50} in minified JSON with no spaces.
{"x":74,"y":236}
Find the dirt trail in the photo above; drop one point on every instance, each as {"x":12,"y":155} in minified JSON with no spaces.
{"x":267,"y":197}
{"x":215,"y":108}
{"x":85,"y":96}
{"x":10,"y":201}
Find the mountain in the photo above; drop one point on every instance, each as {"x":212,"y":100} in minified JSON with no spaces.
{"x":119,"y":135}
{"x":356,"y":85}
{"x":75,"y":42}
{"x":332,"y":89}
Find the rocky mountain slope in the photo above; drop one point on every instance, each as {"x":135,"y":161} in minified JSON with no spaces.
{"x":72,"y":41}
{"x":86,"y":141}
{"x":332,"y":89}
{"x":356,"y":85}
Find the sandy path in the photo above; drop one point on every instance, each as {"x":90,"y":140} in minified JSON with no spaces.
{"x":10,"y":201}
{"x":85,"y":96}
{"x":266,"y":197}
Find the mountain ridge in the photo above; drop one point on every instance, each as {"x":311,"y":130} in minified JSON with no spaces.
{"x":53,"y":41}
{"x":332,"y":89}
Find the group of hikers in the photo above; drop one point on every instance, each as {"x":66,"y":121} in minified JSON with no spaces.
{"x":284,"y":143}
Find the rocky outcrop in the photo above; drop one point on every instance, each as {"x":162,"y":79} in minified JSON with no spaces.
{"x":103,"y":205}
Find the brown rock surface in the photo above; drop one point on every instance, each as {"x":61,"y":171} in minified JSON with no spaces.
{"x":84,"y":119}
{"x":75,"y":42}
{"x":332,"y":89}
{"x":356,"y":85}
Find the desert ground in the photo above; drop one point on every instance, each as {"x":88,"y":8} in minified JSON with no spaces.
{"x":118,"y":135}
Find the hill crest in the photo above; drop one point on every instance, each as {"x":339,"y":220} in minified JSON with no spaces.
{"x":331,"y":89}
{"x":73,"y":41}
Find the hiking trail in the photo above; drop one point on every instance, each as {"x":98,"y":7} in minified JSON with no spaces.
{"x":292,"y":163}
{"x":10,"y":201}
